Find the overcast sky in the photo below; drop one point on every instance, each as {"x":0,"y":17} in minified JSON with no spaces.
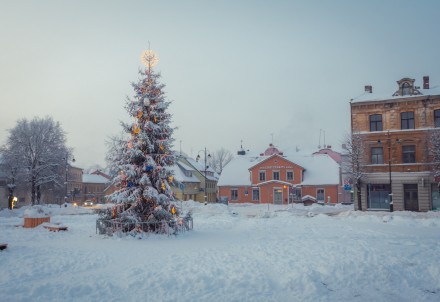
{"x":235,"y":70}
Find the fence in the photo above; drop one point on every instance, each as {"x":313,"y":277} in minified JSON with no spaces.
{"x":114,"y":226}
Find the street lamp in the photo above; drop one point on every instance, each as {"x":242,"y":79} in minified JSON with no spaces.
{"x":388,"y":139}
{"x":205,"y":168}
{"x":67,"y":169}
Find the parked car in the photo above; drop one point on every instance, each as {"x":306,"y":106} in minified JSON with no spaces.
{"x":88,"y":203}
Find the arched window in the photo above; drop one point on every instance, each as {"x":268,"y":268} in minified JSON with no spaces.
{"x":406,"y":89}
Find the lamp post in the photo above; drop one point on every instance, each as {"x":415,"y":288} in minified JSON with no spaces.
{"x":205,"y":168}
{"x":388,"y":139}
{"x":67,"y":170}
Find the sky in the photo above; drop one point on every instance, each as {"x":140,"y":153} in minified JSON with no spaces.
{"x":237,"y":72}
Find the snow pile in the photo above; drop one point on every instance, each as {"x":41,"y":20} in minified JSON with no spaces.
{"x":36,"y":212}
{"x":235,"y":253}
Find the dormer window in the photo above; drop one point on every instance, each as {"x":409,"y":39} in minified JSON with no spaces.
{"x":406,"y":89}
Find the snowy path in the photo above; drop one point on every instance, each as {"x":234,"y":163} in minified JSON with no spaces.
{"x":234,"y":254}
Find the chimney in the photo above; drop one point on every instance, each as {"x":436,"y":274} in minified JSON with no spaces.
{"x":369,"y":88}
{"x":426,"y":82}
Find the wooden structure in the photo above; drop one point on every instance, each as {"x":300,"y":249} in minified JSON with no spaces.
{"x":55,"y":228}
{"x":32,"y":222}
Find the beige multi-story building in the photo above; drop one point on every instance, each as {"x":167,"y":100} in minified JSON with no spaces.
{"x":395,"y":131}
{"x":198,"y":183}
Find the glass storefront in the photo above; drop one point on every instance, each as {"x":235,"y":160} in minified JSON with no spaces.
{"x":378,"y":196}
{"x":435,"y":197}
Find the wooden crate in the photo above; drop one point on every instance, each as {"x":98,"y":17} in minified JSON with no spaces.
{"x":30,"y":222}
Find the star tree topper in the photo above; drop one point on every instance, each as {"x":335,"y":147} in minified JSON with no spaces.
{"x":149,"y":58}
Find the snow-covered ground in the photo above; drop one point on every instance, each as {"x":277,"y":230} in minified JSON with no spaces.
{"x":235,"y":253}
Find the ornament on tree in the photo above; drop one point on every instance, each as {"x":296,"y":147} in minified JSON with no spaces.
{"x":147,"y":102}
{"x":136,"y":129}
{"x":139,"y":114}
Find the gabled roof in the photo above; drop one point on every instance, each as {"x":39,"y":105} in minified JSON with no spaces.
{"x":93,"y":178}
{"x":180,"y":176}
{"x":266,"y":158}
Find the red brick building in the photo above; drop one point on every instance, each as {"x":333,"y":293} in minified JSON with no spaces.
{"x":275,"y":178}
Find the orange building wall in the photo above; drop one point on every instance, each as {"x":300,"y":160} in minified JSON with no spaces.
{"x":331,"y":191}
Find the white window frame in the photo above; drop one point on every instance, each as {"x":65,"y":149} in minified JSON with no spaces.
{"x":258,"y":190}
{"x":259,"y":175}
{"x":273,"y":174}
{"x":234,"y":189}
{"x":293,"y":175}
{"x":323,"y":194}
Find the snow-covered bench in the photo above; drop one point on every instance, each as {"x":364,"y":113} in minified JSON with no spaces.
{"x":55,"y":227}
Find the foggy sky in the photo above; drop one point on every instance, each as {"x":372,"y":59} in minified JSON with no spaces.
{"x":235,"y":70}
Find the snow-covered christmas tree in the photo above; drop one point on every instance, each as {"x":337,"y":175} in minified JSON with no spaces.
{"x":143,"y":193}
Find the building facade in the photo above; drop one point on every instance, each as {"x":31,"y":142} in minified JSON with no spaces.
{"x":185,"y":185}
{"x":275,"y":178}
{"x":395,"y":131}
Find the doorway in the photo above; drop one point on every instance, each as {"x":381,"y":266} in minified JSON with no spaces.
{"x":435,"y":196}
{"x":278,"y":196}
{"x":411,"y":201}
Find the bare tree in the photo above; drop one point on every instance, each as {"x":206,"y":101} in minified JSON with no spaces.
{"x":35,"y":150}
{"x":434,"y":150}
{"x":356,"y":161}
{"x":219,"y":159}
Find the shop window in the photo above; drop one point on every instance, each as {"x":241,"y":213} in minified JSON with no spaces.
{"x":378,"y":196}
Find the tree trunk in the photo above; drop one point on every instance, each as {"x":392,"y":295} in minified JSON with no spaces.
{"x":358,"y":189}
{"x":38,"y":194}
{"x":33,"y":190}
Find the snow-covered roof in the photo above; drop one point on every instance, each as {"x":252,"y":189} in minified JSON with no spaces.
{"x":93,"y":178}
{"x":185,"y":166}
{"x":373,"y":97}
{"x":180,"y":176}
{"x":320,"y":169}
{"x":199,"y":166}
{"x":236,"y":172}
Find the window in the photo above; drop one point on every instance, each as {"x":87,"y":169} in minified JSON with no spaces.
{"x":320,"y":195}
{"x":262,"y":175}
{"x":246,"y":192}
{"x":378,"y":196}
{"x":276,"y":175}
{"x":289,"y":175}
{"x":437,"y":118}
{"x":256,"y":194}
{"x":377,"y":155}
{"x":407,"y":120}
{"x":409,"y":154}
{"x":234,"y":194}
{"x":406,"y":88}
{"x":376,"y":122}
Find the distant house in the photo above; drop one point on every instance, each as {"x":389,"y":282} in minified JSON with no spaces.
{"x":93,"y":187}
{"x":207,"y":177}
{"x":273,"y":177}
{"x":185,"y":184}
